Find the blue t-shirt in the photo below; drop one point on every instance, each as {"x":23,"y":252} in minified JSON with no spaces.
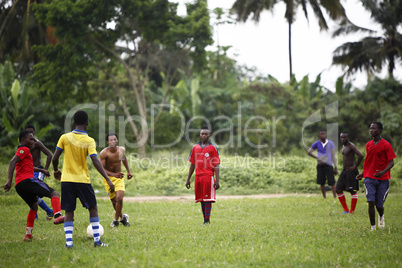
{"x":324,"y":150}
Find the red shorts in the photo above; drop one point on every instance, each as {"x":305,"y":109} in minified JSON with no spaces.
{"x":204,"y":189}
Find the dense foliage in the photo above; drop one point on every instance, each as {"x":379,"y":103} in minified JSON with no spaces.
{"x":142,"y":71}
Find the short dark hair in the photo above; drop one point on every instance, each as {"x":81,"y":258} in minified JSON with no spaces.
{"x":80,"y":118}
{"x":379,"y":124}
{"x":29,"y":126}
{"x":111,"y":134}
{"x":205,"y":127}
{"x":322,"y":130}
{"x":23,"y":134}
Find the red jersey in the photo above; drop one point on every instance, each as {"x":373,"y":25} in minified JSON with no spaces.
{"x":378,"y":157}
{"x":24,"y":168}
{"x":204,"y":158}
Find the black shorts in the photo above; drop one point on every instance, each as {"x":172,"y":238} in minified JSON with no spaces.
{"x":31,"y":189}
{"x":324,"y":173}
{"x":70,"y":191}
{"x":347,"y":181}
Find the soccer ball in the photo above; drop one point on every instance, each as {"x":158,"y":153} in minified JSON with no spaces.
{"x":90,"y":233}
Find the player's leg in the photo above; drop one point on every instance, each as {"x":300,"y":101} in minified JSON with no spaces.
{"x":340,"y":186}
{"x":209,"y":196}
{"x":203,"y":208}
{"x":45,"y":207}
{"x":40,"y":176}
{"x":381,"y":195}
{"x":371,"y":188}
{"x":24,"y":190}
{"x":329,"y":173}
{"x":353,"y":202}
{"x":354,"y":184}
{"x":321,"y":179}
{"x":69,"y":227}
{"x":68,"y":204}
{"x":119,"y":209}
{"x":112,"y":197}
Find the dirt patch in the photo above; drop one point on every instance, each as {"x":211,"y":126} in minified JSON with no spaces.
{"x":142,"y":199}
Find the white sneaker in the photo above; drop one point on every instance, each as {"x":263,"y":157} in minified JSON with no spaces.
{"x":373,"y":228}
{"x":381,"y":222}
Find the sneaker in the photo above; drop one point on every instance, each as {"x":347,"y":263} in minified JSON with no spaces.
{"x":345,"y":212}
{"x":58,"y":220}
{"x":381,"y":222}
{"x":100,"y":244}
{"x":124,"y":221}
{"x":69,"y":247}
{"x":114,"y":224}
{"x":206,"y":222}
{"x":373,"y":228}
{"x":28,"y":237}
{"x":49,"y":216}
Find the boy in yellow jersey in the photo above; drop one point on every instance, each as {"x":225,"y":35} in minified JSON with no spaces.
{"x":111,"y":158}
{"x":75,"y":182}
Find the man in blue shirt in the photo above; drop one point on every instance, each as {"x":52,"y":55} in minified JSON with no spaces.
{"x":325,"y":159}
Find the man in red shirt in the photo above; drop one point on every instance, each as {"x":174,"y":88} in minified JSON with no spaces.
{"x":376,"y":173}
{"x":204,"y":158}
{"x":29,"y":187}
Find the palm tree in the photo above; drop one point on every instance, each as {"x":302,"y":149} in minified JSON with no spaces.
{"x":372,"y":52}
{"x":244,"y":8}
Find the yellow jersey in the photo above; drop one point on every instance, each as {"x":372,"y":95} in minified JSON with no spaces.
{"x":76,"y":145}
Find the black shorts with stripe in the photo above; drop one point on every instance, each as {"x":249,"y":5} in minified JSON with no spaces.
{"x":31,"y":189}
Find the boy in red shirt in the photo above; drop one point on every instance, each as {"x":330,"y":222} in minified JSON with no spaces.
{"x":29,"y":187}
{"x":376,"y":173}
{"x":204,"y":158}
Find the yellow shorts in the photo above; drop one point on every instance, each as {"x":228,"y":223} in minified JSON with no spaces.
{"x":118,"y":186}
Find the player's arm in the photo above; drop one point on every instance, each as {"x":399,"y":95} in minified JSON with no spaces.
{"x":55,"y":162}
{"x":44,"y":171}
{"x":11,"y":168}
{"x":190,"y":173}
{"x":216,"y":177}
{"x":46,"y":151}
{"x":359,"y":154}
{"x":310,"y":153}
{"x":125,"y":163}
{"x":382,"y":172}
{"x":98,"y":165}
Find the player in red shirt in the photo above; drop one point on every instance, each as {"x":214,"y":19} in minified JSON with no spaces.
{"x":205,"y":161}
{"x":376,"y":173}
{"x":28,"y":187}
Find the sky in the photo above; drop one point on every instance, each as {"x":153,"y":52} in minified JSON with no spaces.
{"x":264,"y":45}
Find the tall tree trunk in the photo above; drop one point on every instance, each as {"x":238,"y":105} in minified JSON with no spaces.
{"x":290,"y":52}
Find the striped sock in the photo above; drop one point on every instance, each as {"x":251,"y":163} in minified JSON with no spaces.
{"x":353,"y":203}
{"x":208,"y":207}
{"x":342,"y":199}
{"x":95,"y":228}
{"x":68,"y":230}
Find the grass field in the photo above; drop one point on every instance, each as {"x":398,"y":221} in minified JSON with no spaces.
{"x":294,"y":231}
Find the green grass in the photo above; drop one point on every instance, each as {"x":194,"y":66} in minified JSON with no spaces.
{"x":294,"y":231}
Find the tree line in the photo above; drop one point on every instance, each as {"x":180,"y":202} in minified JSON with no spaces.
{"x":143,"y":64}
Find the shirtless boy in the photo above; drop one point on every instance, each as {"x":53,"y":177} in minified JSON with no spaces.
{"x":347,"y":180}
{"x":111,"y":158}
